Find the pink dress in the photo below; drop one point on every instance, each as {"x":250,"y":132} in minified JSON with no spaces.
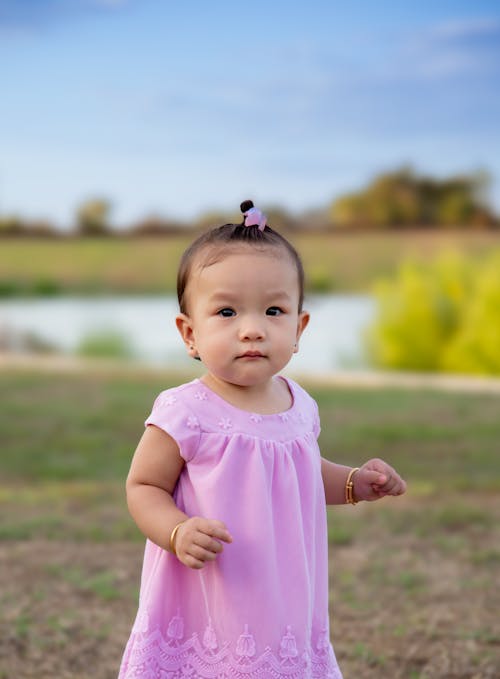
{"x":260,"y":610}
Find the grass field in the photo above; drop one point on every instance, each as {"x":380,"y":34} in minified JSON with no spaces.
{"x":415,"y":590}
{"x":341,"y":262}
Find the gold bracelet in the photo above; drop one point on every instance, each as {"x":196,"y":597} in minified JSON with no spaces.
{"x":349,"y":488}
{"x":172,"y":537}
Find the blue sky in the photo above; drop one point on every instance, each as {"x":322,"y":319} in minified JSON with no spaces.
{"x":176,"y":108}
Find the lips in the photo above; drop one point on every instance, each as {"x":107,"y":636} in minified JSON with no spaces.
{"x":251,"y":354}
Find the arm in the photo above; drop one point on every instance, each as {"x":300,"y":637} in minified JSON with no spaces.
{"x":374,"y":480}
{"x":153,"y":475}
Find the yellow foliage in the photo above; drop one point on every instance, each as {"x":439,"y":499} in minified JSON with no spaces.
{"x":442,"y":316}
{"x":475,"y":348}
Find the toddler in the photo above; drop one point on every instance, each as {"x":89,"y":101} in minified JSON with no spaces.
{"x":228,"y":484}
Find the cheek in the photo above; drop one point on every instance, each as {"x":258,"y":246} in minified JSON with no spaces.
{"x":287,"y":334}
{"x":212,"y":332}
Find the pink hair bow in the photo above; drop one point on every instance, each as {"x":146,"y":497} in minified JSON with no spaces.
{"x":254,"y":217}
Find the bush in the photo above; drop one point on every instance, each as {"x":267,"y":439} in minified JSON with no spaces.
{"x":442,"y":316}
{"x":104,"y":344}
{"x":319,"y":279}
{"x":475,"y":348}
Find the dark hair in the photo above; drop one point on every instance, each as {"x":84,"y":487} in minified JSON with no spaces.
{"x":231,"y":234}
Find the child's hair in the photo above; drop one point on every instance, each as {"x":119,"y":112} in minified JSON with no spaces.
{"x":219,"y":240}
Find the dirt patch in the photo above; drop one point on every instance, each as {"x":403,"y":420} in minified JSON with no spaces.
{"x":405,"y":605}
{"x":67,"y":608}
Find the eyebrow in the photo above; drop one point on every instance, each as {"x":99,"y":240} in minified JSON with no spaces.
{"x":228,"y":295}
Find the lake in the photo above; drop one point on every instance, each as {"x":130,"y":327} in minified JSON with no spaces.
{"x":331,"y":343}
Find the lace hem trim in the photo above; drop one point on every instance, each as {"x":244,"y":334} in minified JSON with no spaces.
{"x":151,"y":656}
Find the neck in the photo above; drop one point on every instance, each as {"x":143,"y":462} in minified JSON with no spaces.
{"x":267,"y":398}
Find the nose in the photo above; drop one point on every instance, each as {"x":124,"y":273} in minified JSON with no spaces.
{"x":251,"y":329}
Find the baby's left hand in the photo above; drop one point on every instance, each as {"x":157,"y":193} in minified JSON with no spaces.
{"x":376,"y":479}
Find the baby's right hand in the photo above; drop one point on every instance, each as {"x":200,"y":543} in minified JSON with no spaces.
{"x":197,"y":541}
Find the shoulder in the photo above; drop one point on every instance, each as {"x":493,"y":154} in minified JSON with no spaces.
{"x":173,"y":413}
{"x":184,"y":394}
{"x":305,"y":403}
{"x":300,"y":396}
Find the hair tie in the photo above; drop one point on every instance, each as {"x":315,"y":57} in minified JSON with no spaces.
{"x":253,"y":216}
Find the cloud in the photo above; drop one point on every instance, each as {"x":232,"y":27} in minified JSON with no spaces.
{"x":465,"y":30}
{"x":18,"y":16}
{"x":454,"y":49}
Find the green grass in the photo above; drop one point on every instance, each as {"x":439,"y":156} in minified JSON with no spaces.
{"x":68,"y":441}
{"x":341,"y":262}
{"x":442,"y":441}
{"x":418,"y":572}
{"x":85,"y":428}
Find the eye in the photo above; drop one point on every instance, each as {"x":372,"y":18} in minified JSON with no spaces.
{"x":226,"y":312}
{"x":274,"y":311}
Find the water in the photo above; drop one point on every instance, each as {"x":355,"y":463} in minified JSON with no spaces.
{"x":332,"y":342}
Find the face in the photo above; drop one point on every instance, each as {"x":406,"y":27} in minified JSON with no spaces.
{"x":243,"y":319}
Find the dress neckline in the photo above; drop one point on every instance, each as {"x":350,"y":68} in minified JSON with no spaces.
{"x":230,"y":405}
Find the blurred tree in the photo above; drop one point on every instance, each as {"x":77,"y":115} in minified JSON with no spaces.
{"x":11,"y":226}
{"x":315,"y":219}
{"x":92,"y":217}
{"x":392,"y":199}
{"x":278,"y":218}
{"x":41,"y":228}
{"x":208,"y":220}
{"x":348,"y":211}
{"x":455,"y":206}
{"x":156,"y":226}
{"x":403,"y":199}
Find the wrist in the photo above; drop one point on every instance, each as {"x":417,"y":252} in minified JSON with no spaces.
{"x":349,"y":494}
{"x":173,"y":537}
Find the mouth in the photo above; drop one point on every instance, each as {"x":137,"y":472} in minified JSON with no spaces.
{"x":251,"y":354}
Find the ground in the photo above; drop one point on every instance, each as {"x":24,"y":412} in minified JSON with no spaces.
{"x":415,"y":581}
{"x":406,"y":604}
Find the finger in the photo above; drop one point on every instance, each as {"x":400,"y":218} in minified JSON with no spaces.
{"x":389,"y":483}
{"x":374,"y":477}
{"x":200,"y":553}
{"x":379,"y":465}
{"x":399,"y":488}
{"x":216,"y":529}
{"x":191,"y":562}
{"x":208,"y":543}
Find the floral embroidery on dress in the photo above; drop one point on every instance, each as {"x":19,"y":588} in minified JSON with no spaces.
{"x":245,"y":648}
{"x":176,"y":637}
{"x":168,"y":401}
{"x":323,"y":642}
{"x":209,"y":637}
{"x":288,"y":645}
{"x":200,"y":395}
{"x":154,"y":657}
{"x":192,"y":422}
{"x":175,"y":629}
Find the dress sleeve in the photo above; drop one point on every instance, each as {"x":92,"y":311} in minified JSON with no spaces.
{"x":316,"y":421}
{"x":171,"y":414}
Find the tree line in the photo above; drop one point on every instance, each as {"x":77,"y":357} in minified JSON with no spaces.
{"x":400,"y":199}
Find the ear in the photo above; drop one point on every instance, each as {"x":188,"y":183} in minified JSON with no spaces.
{"x":185,"y":328}
{"x":302,"y":322}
